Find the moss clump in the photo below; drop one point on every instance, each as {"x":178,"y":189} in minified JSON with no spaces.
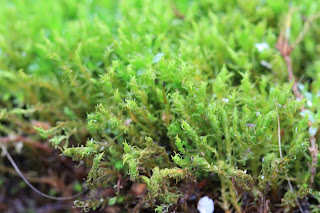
{"x":166,"y":93}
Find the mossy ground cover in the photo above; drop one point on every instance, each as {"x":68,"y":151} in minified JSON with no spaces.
{"x":152,"y":105}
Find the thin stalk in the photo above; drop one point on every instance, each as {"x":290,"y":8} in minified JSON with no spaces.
{"x":280,"y":152}
{"x":30,"y":185}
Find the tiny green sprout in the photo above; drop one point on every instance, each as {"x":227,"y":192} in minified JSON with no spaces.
{"x":77,"y":187}
{"x":112,"y":201}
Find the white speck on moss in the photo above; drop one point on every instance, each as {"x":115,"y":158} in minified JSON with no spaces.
{"x":226,"y":100}
{"x":157,"y":58}
{"x":205,"y":205}
{"x":262,"y":46}
{"x":19,"y":147}
{"x":266,"y":64}
{"x":127,"y":122}
{"x":313,"y":130}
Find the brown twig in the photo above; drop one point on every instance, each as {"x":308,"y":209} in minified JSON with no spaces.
{"x":285,"y":50}
{"x":27,"y":140}
{"x":314,"y":156}
{"x":176,"y":12}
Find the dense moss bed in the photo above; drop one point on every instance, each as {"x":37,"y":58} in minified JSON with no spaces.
{"x":151,"y":105}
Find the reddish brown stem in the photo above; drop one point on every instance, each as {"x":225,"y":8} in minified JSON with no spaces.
{"x":285,"y":50}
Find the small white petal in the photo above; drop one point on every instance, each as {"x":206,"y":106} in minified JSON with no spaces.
{"x":19,"y":147}
{"x":308,"y":113}
{"x":157,"y":58}
{"x":205,"y":205}
{"x":262,"y":46}
{"x":266,"y":64}
{"x":313,"y":130}
{"x":226,"y":100}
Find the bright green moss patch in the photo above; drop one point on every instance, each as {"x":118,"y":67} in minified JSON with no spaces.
{"x":168,"y":94}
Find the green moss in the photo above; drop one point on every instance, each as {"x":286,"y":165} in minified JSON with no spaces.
{"x":164,"y":97}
